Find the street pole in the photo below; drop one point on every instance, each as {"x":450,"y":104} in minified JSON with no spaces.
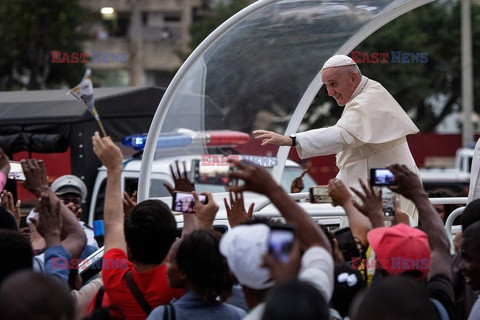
{"x":467,"y":74}
{"x":136,"y":44}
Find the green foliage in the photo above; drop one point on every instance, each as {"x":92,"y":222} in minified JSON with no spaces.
{"x":433,"y":29}
{"x":201,"y":28}
{"x":29,"y":31}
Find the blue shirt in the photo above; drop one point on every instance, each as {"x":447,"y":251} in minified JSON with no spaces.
{"x":189,"y":306}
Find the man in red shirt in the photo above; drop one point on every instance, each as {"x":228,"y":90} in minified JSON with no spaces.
{"x":146,"y":235}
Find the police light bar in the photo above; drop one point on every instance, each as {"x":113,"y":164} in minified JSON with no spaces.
{"x":226,"y":137}
{"x":165,"y":140}
{"x":185,"y":137}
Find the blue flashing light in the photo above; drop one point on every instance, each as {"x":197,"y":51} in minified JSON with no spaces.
{"x":165,"y":140}
{"x":136,"y":141}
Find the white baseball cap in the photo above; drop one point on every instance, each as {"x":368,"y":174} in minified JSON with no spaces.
{"x":244,"y":247}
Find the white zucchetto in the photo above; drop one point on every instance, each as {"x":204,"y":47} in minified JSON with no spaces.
{"x":339,"y":60}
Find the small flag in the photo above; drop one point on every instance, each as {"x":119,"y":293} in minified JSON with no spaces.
{"x":84,"y":93}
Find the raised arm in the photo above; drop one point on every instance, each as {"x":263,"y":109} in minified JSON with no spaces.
{"x":113,"y":216}
{"x":182,"y":183}
{"x":410,"y":186}
{"x":259,"y":180}
{"x":359,"y":224}
{"x":73,"y":237}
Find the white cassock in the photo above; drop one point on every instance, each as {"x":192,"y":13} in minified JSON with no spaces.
{"x":371,"y":133}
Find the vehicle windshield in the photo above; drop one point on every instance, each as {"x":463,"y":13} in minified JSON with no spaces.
{"x":260,"y":70}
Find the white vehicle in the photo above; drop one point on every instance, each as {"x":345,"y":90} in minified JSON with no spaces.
{"x":161,"y":175}
{"x":457,"y":178}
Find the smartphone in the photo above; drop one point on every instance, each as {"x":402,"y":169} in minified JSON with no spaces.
{"x":16,"y":171}
{"x":319,"y":194}
{"x":388,"y":202}
{"x":280,"y":243}
{"x":184,"y":201}
{"x":347,"y":244}
{"x":382,"y":177}
{"x":210,"y":174}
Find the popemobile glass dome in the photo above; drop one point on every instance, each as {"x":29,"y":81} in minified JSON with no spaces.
{"x":259,"y":70}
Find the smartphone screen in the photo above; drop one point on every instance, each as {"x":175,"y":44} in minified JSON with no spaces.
{"x":16,"y":171}
{"x":382,"y":177}
{"x":319,"y":194}
{"x":388,"y":202}
{"x":347,"y":244}
{"x":280,"y":243}
{"x":210,"y":174}
{"x":184,"y":201}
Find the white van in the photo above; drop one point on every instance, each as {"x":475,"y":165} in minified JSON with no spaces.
{"x":161,"y":175}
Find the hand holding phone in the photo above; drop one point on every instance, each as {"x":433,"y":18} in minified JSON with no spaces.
{"x":347,"y":244}
{"x":382,"y":177}
{"x":16,"y":171}
{"x":280,"y":243}
{"x":185,"y":202}
{"x":320,"y":194}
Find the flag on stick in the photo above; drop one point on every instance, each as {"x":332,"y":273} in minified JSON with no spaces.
{"x":84,"y":93}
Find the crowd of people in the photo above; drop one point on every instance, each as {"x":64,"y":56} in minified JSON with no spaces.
{"x":391,"y":270}
{"x":148,"y":272}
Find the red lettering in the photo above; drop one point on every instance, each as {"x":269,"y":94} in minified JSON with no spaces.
{"x":206,"y":160}
{"x":56,"y":56}
{"x":65,"y":58}
{"x":374,"y":57}
{"x":74,"y":57}
{"x":84,"y":57}
{"x":365,"y":58}
{"x":215,"y":161}
{"x":384,"y":57}
{"x":356,"y":56}
{"x":224,"y":161}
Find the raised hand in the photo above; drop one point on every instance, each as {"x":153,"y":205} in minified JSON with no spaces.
{"x":236,"y":212}
{"x":129,"y":202}
{"x":270,"y":137}
{"x":182,"y":183}
{"x":35,"y":176}
{"x":205,"y":213}
{"x":256,"y":178}
{"x":339,"y":192}
{"x":409,"y":184}
{"x":108,"y":152}
{"x":297,"y":183}
{"x":77,"y":211}
{"x":371,"y":203}
{"x":283,"y":271}
{"x":8,"y":203}
{"x":49,"y":223}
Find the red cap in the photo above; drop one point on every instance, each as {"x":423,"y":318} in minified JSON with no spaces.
{"x":401,"y":248}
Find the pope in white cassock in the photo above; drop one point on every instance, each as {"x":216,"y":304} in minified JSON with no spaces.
{"x":371,"y":133}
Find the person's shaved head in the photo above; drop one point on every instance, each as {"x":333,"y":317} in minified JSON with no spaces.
{"x":394,"y":298}
{"x":28,"y":295}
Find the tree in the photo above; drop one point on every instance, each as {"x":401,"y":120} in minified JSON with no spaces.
{"x":29,"y":31}
{"x":427,"y":91}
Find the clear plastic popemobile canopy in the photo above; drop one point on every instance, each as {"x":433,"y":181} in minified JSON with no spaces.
{"x":258,"y":70}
